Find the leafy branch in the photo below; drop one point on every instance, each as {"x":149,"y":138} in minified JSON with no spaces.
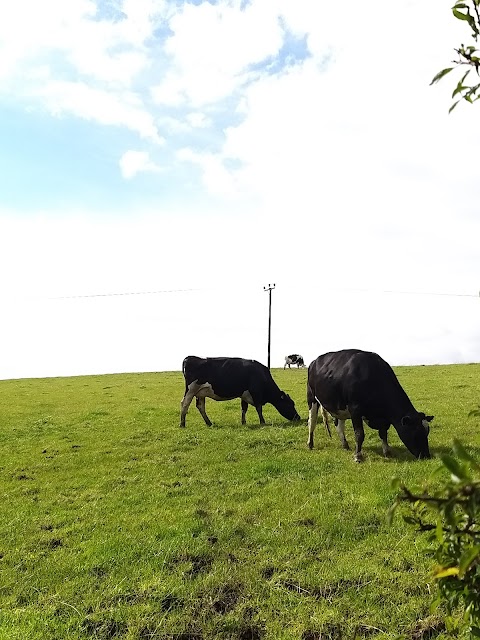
{"x":469,"y":12}
{"x":451,"y":518}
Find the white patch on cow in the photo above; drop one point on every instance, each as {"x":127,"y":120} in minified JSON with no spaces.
{"x":342,"y":414}
{"x":312,"y":423}
{"x":312,"y":417}
{"x":426,"y":426}
{"x":341,"y":429}
{"x":247,"y":396}
{"x":205,"y":390}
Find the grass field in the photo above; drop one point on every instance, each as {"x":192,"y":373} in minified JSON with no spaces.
{"x":116,"y":523}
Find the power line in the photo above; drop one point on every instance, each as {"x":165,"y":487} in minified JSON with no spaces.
{"x":123,"y":293}
{"x":389,"y":291}
{"x":420,"y":293}
{"x":287,"y":287}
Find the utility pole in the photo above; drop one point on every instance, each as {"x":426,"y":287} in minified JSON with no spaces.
{"x":269,"y":289}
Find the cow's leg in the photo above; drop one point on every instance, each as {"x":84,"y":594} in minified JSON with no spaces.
{"x":359,"y":437}
{"x":259,"y":409}
{"x":340,"y":426}
{"x":383,"y":433}
{"x":201,"y":407}
{"x":244,"y":411}
{"x":312,"y":422}
{"x":187,"y":399}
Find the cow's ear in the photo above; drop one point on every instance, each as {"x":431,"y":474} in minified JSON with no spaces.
{"x":429,"y":418}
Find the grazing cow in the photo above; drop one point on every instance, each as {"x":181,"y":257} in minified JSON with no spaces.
{"x":228,"y":378}
{"x":361,"y":386}
{"x":294,"y":359}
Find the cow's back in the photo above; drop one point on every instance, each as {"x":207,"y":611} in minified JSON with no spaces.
{"x":354,"y":377}
{"x":229,"y":377}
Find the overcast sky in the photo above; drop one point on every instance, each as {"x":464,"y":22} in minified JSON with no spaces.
{"x":202,"y":150}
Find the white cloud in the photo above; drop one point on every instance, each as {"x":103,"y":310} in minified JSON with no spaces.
{"x":336,"y":181}
{"x":217,"y":179}
{"x":198,"y":120}
{"x":63,"y":56}
{"x":135,"y":162}
{"x":220,"y":40}
{"x":105,"y":107}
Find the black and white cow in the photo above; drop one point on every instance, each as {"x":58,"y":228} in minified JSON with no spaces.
{"x":294,"y":359}
{"x":228,"y":378}
{"x":361,"y":386}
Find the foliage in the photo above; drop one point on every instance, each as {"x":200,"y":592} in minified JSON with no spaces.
{"x":451,"y":515}
{"x":469,"y":56}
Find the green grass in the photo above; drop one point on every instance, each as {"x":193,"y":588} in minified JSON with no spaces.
{"x":116,"y":523}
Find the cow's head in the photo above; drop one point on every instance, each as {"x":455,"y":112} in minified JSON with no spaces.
{"x":286,"y":407}
{"x":413,"y":431}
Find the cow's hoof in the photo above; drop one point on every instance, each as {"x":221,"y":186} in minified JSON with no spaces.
{"x":310,"y":445}
{"x":358,"y":458}
{"x":346,"y":446}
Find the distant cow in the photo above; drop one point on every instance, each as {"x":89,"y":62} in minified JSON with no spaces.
{"x":228,"y":378}
{"x":294,"y":359}
{"x":361,"y":386}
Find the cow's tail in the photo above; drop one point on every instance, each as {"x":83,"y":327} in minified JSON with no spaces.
{"x":325,"y":417}
{"x":184,"y":367}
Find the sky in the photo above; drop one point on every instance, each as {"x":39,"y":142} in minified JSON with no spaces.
{"x":162,"y":162}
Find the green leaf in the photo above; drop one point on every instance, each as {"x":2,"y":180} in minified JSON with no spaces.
{"x":441,"y":572}
{"x":448,"y":513}
{"x":453,"y":106}
{"x":460,"y":451}
{"x":467,"y":17}
{"x":440,"y":75}
{"x":456,"y":469}
{"x":467,"y":559}
{"x":391,"y":513}
{"x":460,"y":15}
{"x":460,"y":86}
{"x":395,"y":484}
{"x":435,"y":603}
{"x":439,"y":531}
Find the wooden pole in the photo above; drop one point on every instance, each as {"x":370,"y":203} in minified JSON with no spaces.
{"x":269,"y":289}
